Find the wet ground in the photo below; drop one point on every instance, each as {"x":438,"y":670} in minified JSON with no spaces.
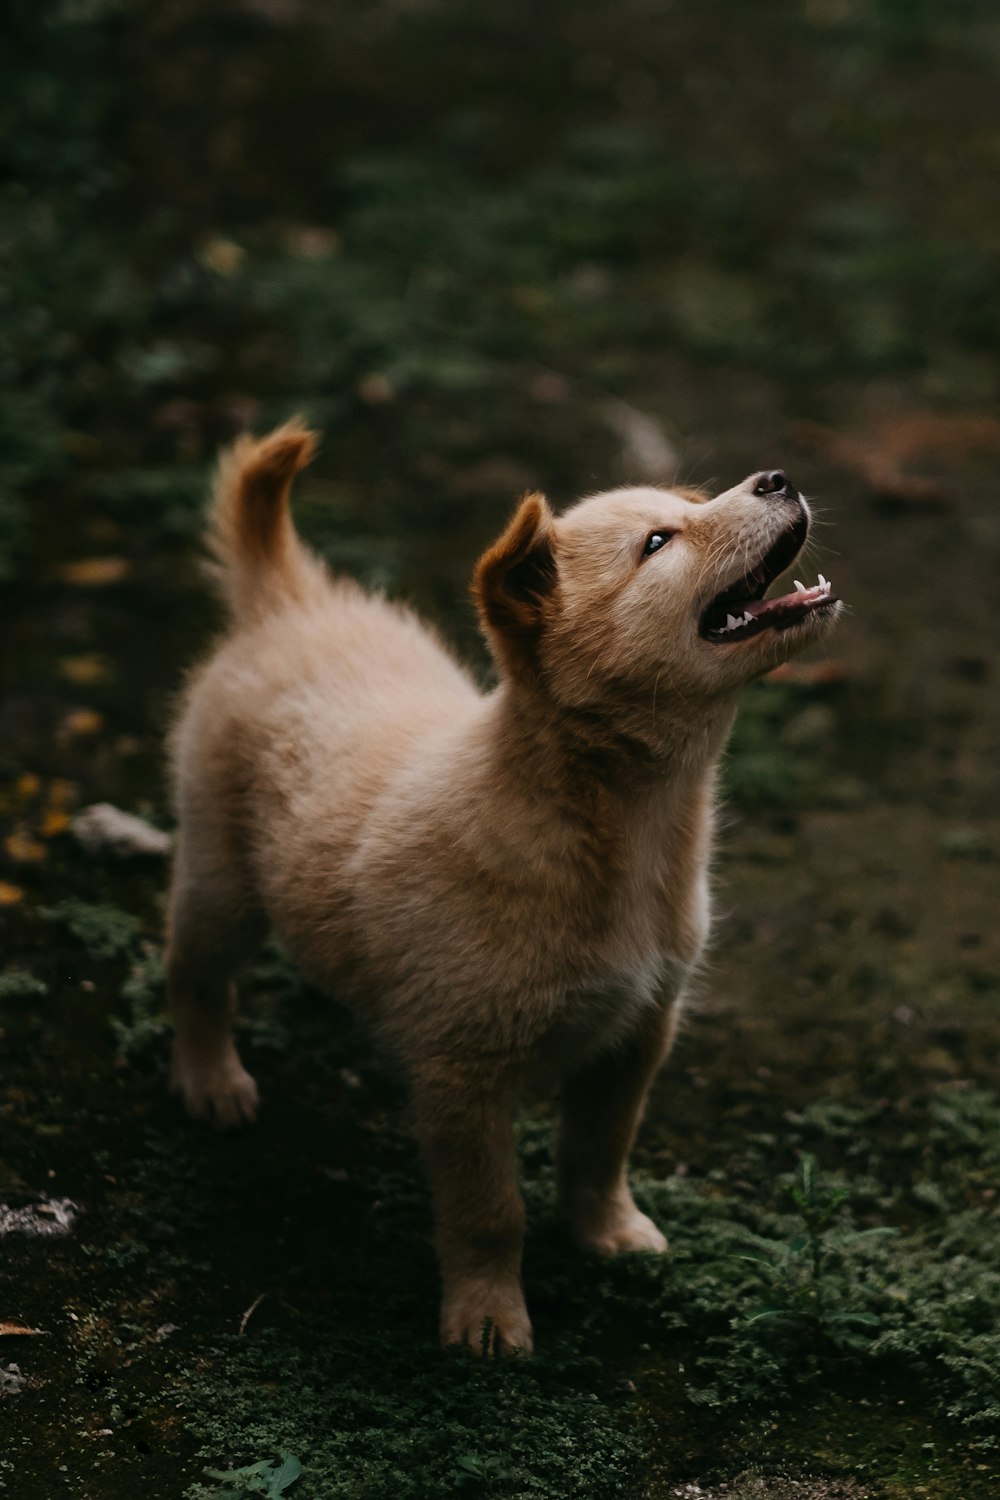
{"x":343,"y":212}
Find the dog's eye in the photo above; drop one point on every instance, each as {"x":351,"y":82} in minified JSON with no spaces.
{"x":655,"y":541}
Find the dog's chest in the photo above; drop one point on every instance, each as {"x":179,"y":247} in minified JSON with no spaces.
{"x":617,"y":996}
{"x":605,"y":1008}
{"x":652,"y":930}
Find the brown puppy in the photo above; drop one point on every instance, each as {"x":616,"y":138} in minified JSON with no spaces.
{"x":512,"y":886}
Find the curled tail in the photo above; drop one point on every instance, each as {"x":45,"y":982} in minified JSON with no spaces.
{"x":260,"y":561}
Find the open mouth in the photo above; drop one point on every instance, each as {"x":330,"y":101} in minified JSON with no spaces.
{"x":740,"y":611}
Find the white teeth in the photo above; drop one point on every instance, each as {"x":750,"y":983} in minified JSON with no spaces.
{"x":732,"y":623}
{"x":800,"y":586}
{"x":823,"y":584}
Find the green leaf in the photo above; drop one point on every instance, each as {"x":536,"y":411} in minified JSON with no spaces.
{"x":240,"y":1475}
{"x":286,"y":1476}
{"x":858,"y":1236}
{"x":261,"y":1478}
{"x":760,"y":1314}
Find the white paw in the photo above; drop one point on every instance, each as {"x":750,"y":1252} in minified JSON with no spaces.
{"x":630,"y":1233}
{"x":220,"y":1091}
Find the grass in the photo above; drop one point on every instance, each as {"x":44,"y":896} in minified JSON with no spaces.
{"x":297,"y":1295}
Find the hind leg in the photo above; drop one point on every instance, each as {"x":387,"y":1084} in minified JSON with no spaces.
{"x":212,"y":932}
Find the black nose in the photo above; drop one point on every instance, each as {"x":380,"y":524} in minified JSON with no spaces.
{"x":775,"y":482}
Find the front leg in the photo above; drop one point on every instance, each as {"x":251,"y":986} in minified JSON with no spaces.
{"x":464,"y":1123}
{"x":602,"y":1104}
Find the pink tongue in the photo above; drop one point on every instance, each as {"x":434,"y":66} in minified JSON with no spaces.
{"x":784,"y":601}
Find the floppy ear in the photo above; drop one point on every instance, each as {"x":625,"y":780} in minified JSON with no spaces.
{"x":514,"y":581}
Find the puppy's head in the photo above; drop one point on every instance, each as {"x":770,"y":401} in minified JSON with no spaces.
{"x":647,"y":591}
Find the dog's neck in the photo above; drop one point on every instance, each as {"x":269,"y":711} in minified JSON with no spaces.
{"x":624,"y":756}
{"x":593,"y":810}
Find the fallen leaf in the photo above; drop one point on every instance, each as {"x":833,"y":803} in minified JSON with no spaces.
{"x":80,"y":722}
{"x":95,"y":572}
{"x":950,"y":435}
{"x":10,"y":895}
{"x":84,"y":670}
{"x":22,"y":848}
{"x":28,"y":785}
{"x":310,"y":242}
{"x":883,"y":456}
{"x":222,"y":256}
{"x":54,"y":821}
{"x":10,"y":1329}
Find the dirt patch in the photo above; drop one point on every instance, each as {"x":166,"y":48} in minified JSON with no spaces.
{"x":754,"y":1487}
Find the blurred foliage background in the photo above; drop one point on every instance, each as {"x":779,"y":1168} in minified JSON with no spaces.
{"x":450,"y":219}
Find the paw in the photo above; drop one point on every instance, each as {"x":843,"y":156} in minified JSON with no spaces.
{"x":625,"y":1234}
{"x":490,"y":1320}
{"x":220,"y":1092}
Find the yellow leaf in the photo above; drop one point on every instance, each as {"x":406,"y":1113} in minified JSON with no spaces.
{"x":10,"y":895}
{"x":54,"y":821}
{"x":312,"y":242}
{"x":95,"y":572}
{"x":224,"y":257}
{"x":28,"y":785}
{"x":82,"y":721}
{"x":84,"y":669}
{"x":22,"y":848}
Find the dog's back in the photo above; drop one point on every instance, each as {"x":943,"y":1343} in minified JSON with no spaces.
{"x":319,"y":690}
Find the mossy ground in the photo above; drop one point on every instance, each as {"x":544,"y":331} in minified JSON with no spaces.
{"x":452,"y":236}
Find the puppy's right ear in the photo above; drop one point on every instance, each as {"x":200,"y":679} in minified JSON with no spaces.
{"x":514,"y":582}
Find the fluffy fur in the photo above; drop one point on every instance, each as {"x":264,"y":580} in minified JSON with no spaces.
{"x":512,"y":885}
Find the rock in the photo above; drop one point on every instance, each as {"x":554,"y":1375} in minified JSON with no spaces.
{"x":104,"y":829}
{"x":12,"y":1382}
{"x":53,"y":1216}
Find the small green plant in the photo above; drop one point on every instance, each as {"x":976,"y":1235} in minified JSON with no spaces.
{"x":810,"y":1272}
{"x":108,"y":932}
{"x":145,"y":1023}
{"x":470,"y":1469}
{"x":18,"y":984}
{"x":263,"y":1478}
{"x":104,"y":930}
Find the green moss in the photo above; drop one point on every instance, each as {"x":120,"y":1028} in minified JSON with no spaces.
{"x":18,"y":984}
{"x":420,"y":1423}
{"x":104,"y":930}
{"x":143,"y":1027}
